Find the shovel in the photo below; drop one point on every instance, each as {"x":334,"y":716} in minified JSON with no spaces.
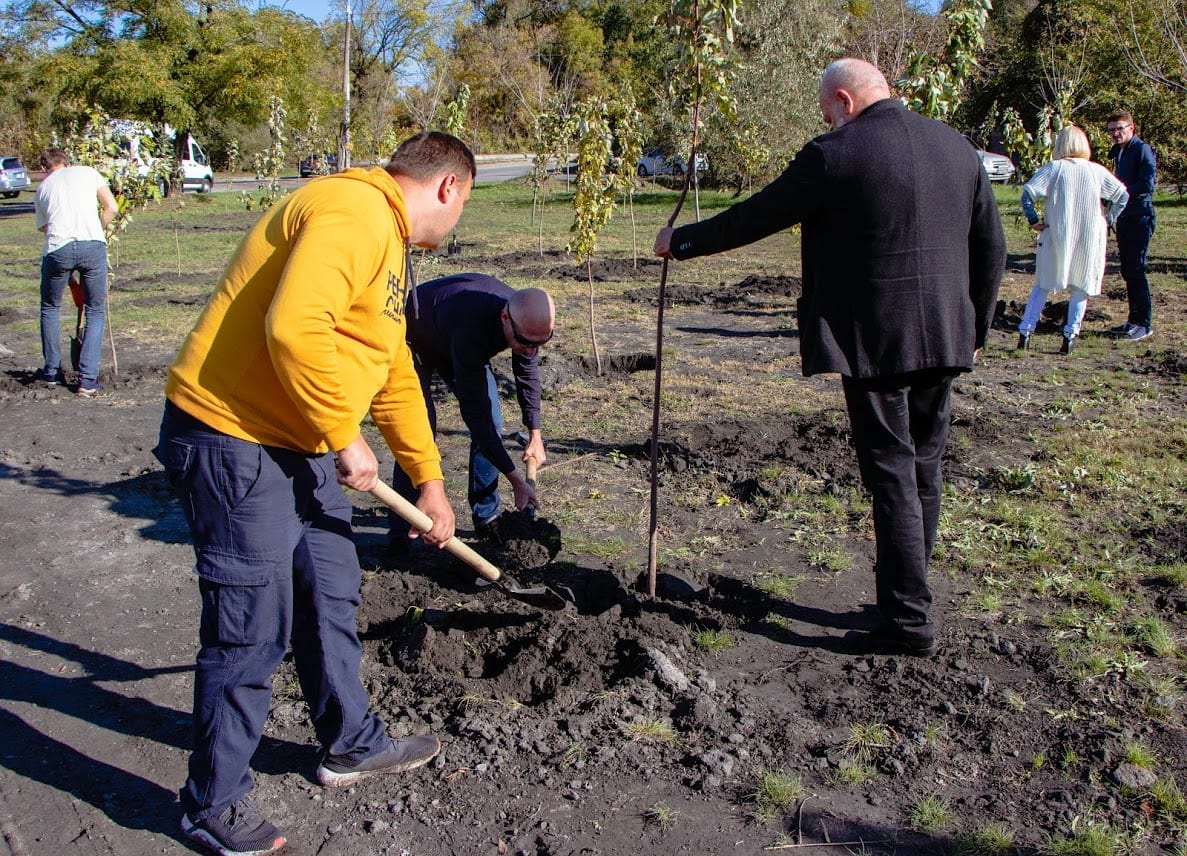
{"x":531,"y":480}
{"x":76,"y":339}
{"x":541,"y":597}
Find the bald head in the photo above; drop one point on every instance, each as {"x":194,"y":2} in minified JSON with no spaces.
{"x":848,"y":87}
{"x":531,"y":315}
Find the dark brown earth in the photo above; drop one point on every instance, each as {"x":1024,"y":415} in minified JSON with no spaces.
{"x":545,"y":716}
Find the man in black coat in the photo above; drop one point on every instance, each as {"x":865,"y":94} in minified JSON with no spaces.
{"x":903,"y":252}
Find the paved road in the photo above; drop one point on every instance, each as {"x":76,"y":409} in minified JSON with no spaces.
{"x":490,"y":171}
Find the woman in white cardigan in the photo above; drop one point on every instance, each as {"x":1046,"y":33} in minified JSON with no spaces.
{"x":1082,"y":201}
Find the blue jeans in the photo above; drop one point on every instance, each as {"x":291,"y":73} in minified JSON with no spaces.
{"x":1077,"y":305}
{"x":483,"y":490}
{"x":276,"y":565}
{"x":1133,"y":240}
{"x":89,"y":258}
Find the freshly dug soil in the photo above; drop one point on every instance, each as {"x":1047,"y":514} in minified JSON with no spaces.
{"x":602,"y":728}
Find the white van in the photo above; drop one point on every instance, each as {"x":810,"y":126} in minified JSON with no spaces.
{"x":196,"y":173}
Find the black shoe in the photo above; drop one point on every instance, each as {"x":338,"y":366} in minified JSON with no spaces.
{"x":405,"y":754}
{"x":239,"y":831}
{"x":887,"y":641}
{"x":1023,"y":342}
{"x":1069,"y":342}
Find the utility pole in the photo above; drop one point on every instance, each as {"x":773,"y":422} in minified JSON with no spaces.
{"x":344,"y":136}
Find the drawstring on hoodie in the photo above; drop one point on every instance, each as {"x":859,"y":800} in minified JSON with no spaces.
{"x":410,"y":276}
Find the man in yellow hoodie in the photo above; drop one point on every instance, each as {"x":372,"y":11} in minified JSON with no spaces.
{"x":304,"y":335}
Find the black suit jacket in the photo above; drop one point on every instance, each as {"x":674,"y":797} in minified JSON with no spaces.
{"x":903,"y":248}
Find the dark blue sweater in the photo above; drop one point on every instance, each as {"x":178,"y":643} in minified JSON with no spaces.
{"x":455,"y":328}
{"x":1134,"y":164}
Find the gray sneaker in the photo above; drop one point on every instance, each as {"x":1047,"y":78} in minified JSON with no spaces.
{"x":1136,"y":333}
{"x":406,"y":754}
{"x":239,"y":830}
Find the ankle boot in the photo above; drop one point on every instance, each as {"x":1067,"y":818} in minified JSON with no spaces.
{"x":1023,"y":342}
{"x":1069,"y":342}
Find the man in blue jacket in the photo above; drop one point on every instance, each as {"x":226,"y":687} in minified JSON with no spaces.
{"x":903,"y":252}
{"x":1135,"y":165}
{"x":456,"y":324}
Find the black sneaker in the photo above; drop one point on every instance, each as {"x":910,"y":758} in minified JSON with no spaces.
{"x":51,"y":378}
{"x":1068,"y":345}
{"x":239,"y":830}
{"x":1023,"y":342}
{"x":405,"y":754}
{"x":887,"y":641}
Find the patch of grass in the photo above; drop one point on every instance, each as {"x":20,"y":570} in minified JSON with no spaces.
{"x":989,"y":839}
{"x":1089,"y":838}
{"x":930,"y":814}
{"x":854,"y":773}
{"x":832,"y":559}
{"x":1152,"y":632}
{"x":1168,"y":799}
{"x":775,"y":794}
{"x":780,"y":585}
{"x":652,"y":731}
{"x":1139,"y":755}
{"x":576,"y":754}
{"x":661,"y":815}
{"x":713,"y":640}
{"x":867,"y":739}
{"x":603,"y":548}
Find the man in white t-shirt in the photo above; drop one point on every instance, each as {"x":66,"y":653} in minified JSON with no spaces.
{"x":68,"y":203}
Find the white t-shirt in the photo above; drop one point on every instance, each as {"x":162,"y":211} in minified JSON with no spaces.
{"x":67,"y":205}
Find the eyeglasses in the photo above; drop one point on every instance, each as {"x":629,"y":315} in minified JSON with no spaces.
{"x":527,"y":343}
{"x":1116,"y":129}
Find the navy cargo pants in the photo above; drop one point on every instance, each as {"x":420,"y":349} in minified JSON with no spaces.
{"x":276,"y":563}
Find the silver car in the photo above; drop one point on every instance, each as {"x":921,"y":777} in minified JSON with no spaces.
{"x":13,"y":177}
{"x":997,"y":167}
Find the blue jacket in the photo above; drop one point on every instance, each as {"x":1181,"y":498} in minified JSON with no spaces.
{"x":455,"y":328}
{"x":1135,"y":165}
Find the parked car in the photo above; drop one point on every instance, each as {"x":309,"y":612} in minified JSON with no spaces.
{"x":997,"y":167}
{"x":317,"y":164}
{"x":13,"y":177}
{"x":656,"y":162}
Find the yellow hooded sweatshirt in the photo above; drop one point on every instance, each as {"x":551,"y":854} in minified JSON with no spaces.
{"x":305,"y":333}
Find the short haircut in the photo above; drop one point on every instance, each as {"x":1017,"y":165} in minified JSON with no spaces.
{"x":1071,"y":142}
{"x":1121,"y":116}
{"x":53,"y":157}
{"x":430,"y":154}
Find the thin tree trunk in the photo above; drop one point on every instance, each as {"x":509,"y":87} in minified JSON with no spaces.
{"x":593,"y":333}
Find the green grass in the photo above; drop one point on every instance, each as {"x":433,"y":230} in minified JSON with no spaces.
{"x":713,"y":640}
{"x":775,"y":794}
{"x":652,"y":731}
{"x":930,"y":814}
{"x":990,"y":839}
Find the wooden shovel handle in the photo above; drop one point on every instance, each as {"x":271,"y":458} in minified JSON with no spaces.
{"x":532,"y":469}
{"x":414,"y":516}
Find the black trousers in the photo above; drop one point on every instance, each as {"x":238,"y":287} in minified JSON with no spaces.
{"x":900,"y":428}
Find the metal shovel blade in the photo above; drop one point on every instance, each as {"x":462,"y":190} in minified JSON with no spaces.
{"x":541,"y":597}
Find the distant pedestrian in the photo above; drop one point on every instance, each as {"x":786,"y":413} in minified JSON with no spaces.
{"x":903,"y":252}
{"x":456,"y":324}
{"x":1082,"y":200}
{"x":74,"y":206}
{"x":1135,"y":165}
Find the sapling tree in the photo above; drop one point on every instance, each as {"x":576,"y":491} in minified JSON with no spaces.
{"x":554,"y":137}
{"x":703,"y":30}
{"x":935,"y":85}
{"x":626,"y":128}
{"x":99,"y":142}
{"x":593,"y":201}
{"x":269,"y":162}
